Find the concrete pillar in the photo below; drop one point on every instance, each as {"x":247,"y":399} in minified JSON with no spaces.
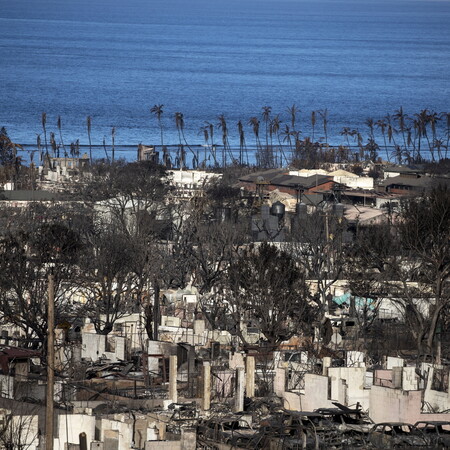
{"x":397,"y":375}
{"x":173,"y":394}
{"x":277,"y":358}
{"x":240,"y":387}
{"x":326,"y":363}
{"x":250,"y":376}
{"x":188,"y":439}
{"x":161,"y":431}
{"x":206,"y":403}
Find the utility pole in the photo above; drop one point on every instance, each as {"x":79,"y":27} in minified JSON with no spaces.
{"x":50,"y":363}
{"x":156,"y":310}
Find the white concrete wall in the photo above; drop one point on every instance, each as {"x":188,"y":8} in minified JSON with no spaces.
{"x":410,"y":381}
{"x":355,"y":182}
{"x":316,"y":393}
{"x":354,"y":378}
{"x":70,"y":426}
{"x":437,"y":400}
{"x":125,"y":431}
{"x":94,"y":347}
{"x":392,"y":362}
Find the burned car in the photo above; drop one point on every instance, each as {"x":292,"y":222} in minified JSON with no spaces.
{"x":437,"y":432}
{"x":232,"y":430}
{"x":396,"y":434}
{"x":347,"y":419}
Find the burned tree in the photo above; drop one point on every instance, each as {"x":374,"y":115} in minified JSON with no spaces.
{"x":268,"y":286}
{"x":28,"y":254}
{"x":107,"y":279}
{"x":412,"y":263}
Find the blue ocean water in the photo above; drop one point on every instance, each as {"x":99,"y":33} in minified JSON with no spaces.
{"x":114,"y":59}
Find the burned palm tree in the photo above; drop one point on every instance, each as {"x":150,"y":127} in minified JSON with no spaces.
{"x":324,"y":115}
{"x":204,"y":130}
{"x":438,"y":144}
{"x":242,"y":146}
{"x":53,"y":145}
{"x":179,"y":123}
{"x":275,"y":130}
{"x":400,"y":117}
{"x":266,"y":110}
{"x":104,"y":148}
{"x":381,"y":125}
{"x":313,"y":123}
{"x":44,"y":127}
{"x":446,"y":117}
{"x":38,"y":144}
{"x":88,"y":125}
{"x":113,"y":143}
{"x":390,"y":130}
{"x":222,"y":125}
{"x":210,"y":127}
{"x":292,"y":111}
{"x":60,"y":133}
{"x":286,"y":134}
{"x":433,"y":118}
{"x":158,"y":111}
{"x":254,"y":122}
{"x":346,"y":132}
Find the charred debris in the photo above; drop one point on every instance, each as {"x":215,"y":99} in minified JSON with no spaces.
{"x":275,"y":309}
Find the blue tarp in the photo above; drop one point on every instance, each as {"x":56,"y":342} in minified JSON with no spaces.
{"x":360,"y":302}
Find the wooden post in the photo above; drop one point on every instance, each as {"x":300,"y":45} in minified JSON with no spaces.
{"x":50,"y":363}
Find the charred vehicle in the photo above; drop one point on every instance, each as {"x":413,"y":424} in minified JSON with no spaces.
{"x":437,"y":432}
{"x":232,"y":430}
{"x":396,"y":435}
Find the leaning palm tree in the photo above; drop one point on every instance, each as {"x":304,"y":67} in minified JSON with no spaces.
{"x":179,"y":123}
{"x":158,"y":111}
{"x":381,"y":125}
{"x":44,"y":123}
{"x":400,"y":117}
{"x":60,"y":133}
{"x":390,"y":130}
{"x":88,"y":124}
{"x":222,"y":125}
{"x":286,"y":134}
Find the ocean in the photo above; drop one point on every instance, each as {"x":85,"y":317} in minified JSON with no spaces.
{"x":114,"y":59}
